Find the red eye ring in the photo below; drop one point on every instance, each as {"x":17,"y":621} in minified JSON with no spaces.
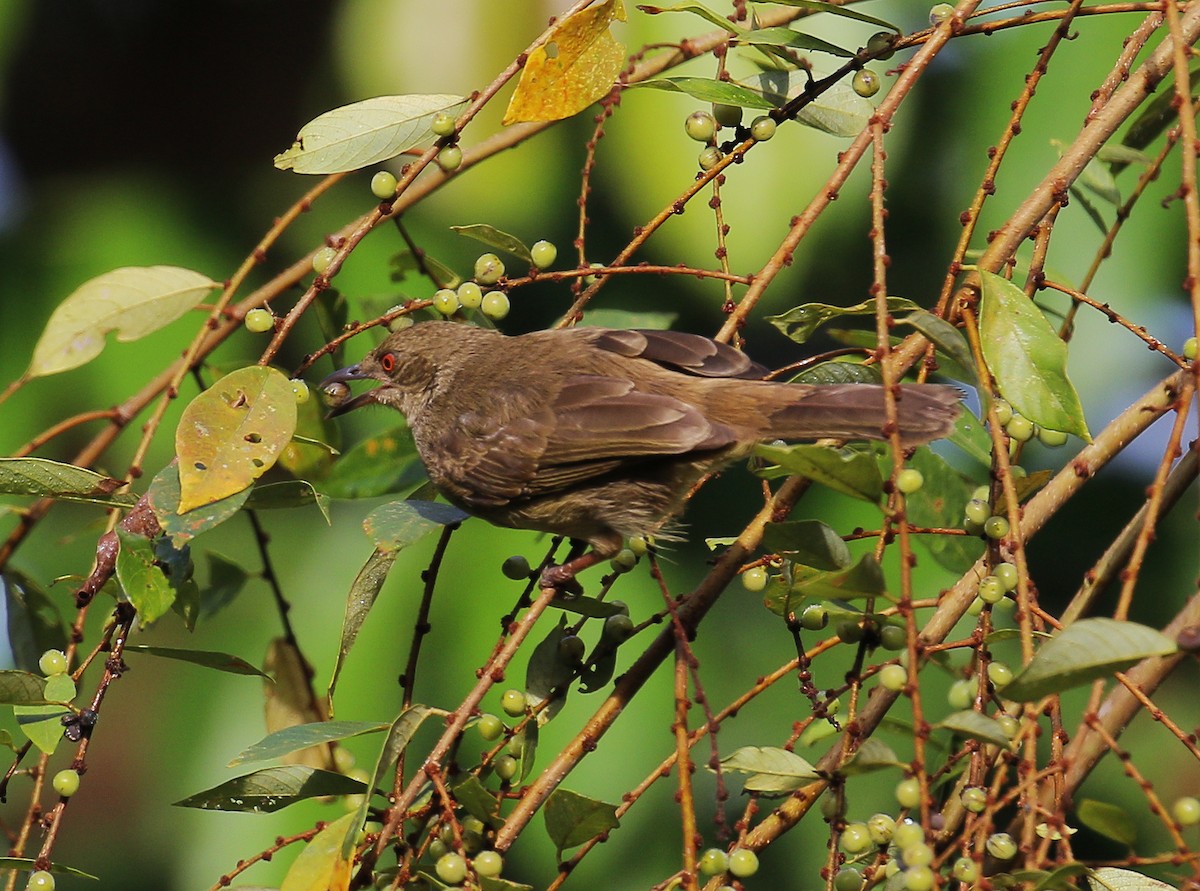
{"x":388,"y":362}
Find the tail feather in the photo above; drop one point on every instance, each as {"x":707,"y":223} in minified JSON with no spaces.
{"x":857,"y":411}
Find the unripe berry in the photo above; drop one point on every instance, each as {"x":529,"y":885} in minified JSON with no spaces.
{"x":442,"y":124}
{"x":1001,"y":846}
{"x":513,"y":702}
{"x":300,"y":391}
{"x":918,"y":878}
{"x":855,"y":838}
{"x":847,"y":879}
{"x":995,"y":527}
{"x":1004,"y":412}
{"x":977,"y":511}
{"x":743,"y":863}
{"x":919,"y":854}
{"x":449,"y":158}
{"x":343,"y":759}
{"x":516,"y":568}
{"x":909,"y":480}
{"x":66,"y":783}
{"x":506,"y":767}
{"x":259,"y":320}
{"x":940,"y":13}
{"x":617,"y":628}
{"x":961,"y":694}
{"x":974,"y":799}
{"x":470,"y":295}
{"x":571,"y":650}
{"x":814,"y":618}
{"x":488,"y":864}
{"x":490,"y":727}
{"x":623,"y":561}
{"x":488,"y":269}
{"x":714,"y":861}
{"x":322,"y":258}
{"x":40,"y":881}
{"x":893,"y":677}
{"x":965,"y":870}
{"x":53,"y":662}
{"x":999,"y":674}
{"x":700,"y":126}
{"x":1186,"y":810}
{"x":710,"y":158}
{"x":383,"y":185}
{"x":755,"y":579}
{"x":495,"y":305}
{"x":762,"y":128}
{"x":1189,"y":349}
{"x":882,"y":827}
{"x":543,"y":254}
{"x":908,"y":793}
{"x":908,"y":834}
{"x":879,"y":45}
{"x":1051,"y":438}
{"x":850,"y":632}
{"x":727,"y":115}
{"x":892,"y":637}
{"x":1020,"y":428}
{"x":445,"y":301}
{"x":1007,"y":573}
{"x":982,"y":493}
{"x":451,"y":868}
{"x":991,"y":590}
{"x":865,"y":82}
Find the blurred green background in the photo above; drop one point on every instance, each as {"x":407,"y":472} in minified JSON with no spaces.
{"x":135,"y":132}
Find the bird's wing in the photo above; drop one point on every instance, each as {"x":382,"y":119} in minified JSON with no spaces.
{"x":593,"y":425}
{"x":689,"y":353}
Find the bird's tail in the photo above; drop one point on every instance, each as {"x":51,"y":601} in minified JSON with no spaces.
{"x":857,"y":411}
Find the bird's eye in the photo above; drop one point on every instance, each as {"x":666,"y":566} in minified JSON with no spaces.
{"x":388,"y":362}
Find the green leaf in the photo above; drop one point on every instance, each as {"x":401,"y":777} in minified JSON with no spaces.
{"x":204,"y":658}
{"x":586,"y":606}
{"x":572,"y":819}
{"x":43,"y":478}
{"x":844,"y":11}
{"x":273,"y":788}
{"x":970,"y":436}
{"x":141,"y":578}
{"x":303,"y":736}
{"x":973,"y":725}
{"x":22,"y":688}
{"x":225,"y":581}
{"x":232,"y":433}
{"x":810,"y":542}
{"x":42,"y":724}
{"x":1109,"y":878}
{"x":442,"y":275}
{"x":163,"y":497}
{"x":362,"y":596}
{"x":478,"y":801}
{"x":940,"y":504}
{"x":863,"y":579}
{"x":699,"y":9}
{"x":549,"y":675}
{"x":801,"y":322}
{"x":871,"y":756}
{"x":848,"y":471}
{"x":787,"y":37}
{"x":1084,"y":651}
{"x":1108,"y":820}
{"x":379,"y":465}
{"x":600,"y":666}
{"x":708,"y":89}
{"x":494,"y":238}
{"x":839,"y":372}
{"x":492,"y":883}
{"x":628,"y":318}
{"x":838,"y":111}
{"x":773,"y":771}
{"x":1027,"y":358}
{"x":31,"y":864}
{"x":288,"y":494}
{"x":34,"y":623}
{"x":398,"y":525}
{"x":323,"y":865}
{"x":1157,"y":115}
{"x":133,"y":301}
{"x":946,"y":338}
{"x":364,"y":133}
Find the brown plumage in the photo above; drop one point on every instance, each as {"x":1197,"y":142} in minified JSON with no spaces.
{"x":600,"y":433}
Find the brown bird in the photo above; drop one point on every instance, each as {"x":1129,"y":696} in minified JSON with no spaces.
{"x":600,"y":434}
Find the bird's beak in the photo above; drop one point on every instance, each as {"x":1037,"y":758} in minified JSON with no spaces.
{"x":341,"y":376}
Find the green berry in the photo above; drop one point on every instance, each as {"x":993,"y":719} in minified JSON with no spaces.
{"x":919,"y":854}
{"x":53,"y":662}
{"x":470,"y":295}
{"x":437,"y":848}
{"x":909,"y":480}
{"x":961,"y":694}
{"x":882,"y":827}
{"x":543,"y":254}
{"x":571,"y":650}
{"x":488,"y":864}
{"x":66,"y":783}
{"x":1001,"y":846}
{"x":1020,"y":428}
{"x":617,"y":628}
{"x":449,"y":158}
{"x":727,"y":115}
{"x":506,"y":767}
{"x":639,"y":544}
{"x":1004,"y":412}
{"x":999,"y":674}
{"x":908,"y":793}
{"x":974,"y":799}
{"x":879,"y":45}
{"x":714,"y":861}
{"x":814,"y":618}
{"x":343,"y":759}
{"x":1186,"y":810}
{"x":893,"y":677}
{"x":965,"y":870}
{"x":322,"y":258}
{"x":991,"y":590}
{"x":259,"y":320}
{"x":1189,"y":349}
{"x":865,"y":82}
{"x":918,"y":878}
{"x":908,"y":834}
{"x":940,"y":13}
{"x":495,"y":305}
{"x":1051,"y":438}
{"x":743,"y":863}
{"x":977,"y":511}
{"x":516,"y":568}
{"x":755,"y":579}
{"x":710,"y":158}
{"x":383,"y":185}
{"x":490,"y":727}
{"x":700,"y":126}
{"x":982,"y":493}
{"x":847,"y":879}
{"x":1009,"y":725}
{"x":1017,"y":472}
{"x":762,"y":128}
{"x":40,"y":881}
{"x":451,"y":868}
{"x":513,"y":702}
{"x":445,"y":301}
{"x":855,"y":838}
{"x":850,"y":632}
{"x":300,"y":391}
{"x":1008,"y":575}
{"x":996,"y":527}
{"x":442,"y":124}
{"x":489,"y":269}
{"x":893,"y":637}
{"x":623,"y":561}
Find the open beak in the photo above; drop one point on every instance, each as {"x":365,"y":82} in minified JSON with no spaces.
{"x":341,"y":376}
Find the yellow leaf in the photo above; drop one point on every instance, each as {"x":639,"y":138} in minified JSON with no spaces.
{"x":575,"y":67}
{"x":290,"y":701}
{"x":232,"y":433}
{"x":320,"y":866}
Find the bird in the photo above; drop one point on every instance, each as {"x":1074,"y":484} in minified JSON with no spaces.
{"x":600,"y":434}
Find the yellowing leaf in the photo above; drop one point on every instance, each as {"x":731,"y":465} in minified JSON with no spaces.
{"x":365,"y":133}
{"x":232,"y":433}
{"x":290,"y":702}
{"x":575,"y":67}
{"x":320,"y":866}
{"x":133,"y":301}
